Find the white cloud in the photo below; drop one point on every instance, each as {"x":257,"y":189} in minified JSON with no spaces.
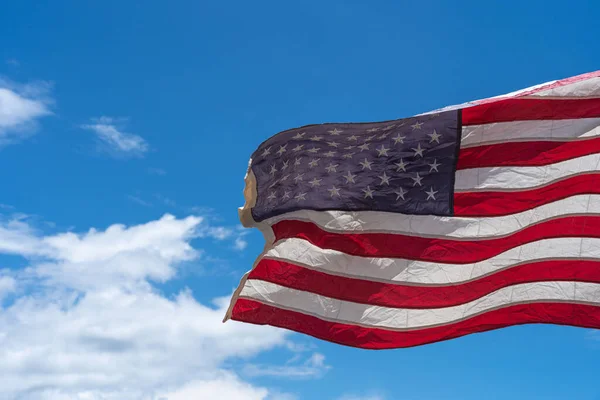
{"x":118,"y":254}
{"x":17,"y":237}
{"x":85,"y":321}
{"x":21,"y":106}
{"x":115,"y":140}
{"x":223,"y":387}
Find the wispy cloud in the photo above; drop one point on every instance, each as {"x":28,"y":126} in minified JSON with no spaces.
{"x":21,"y":106}
{"x":313,"y":367}
{"x":157,"y":171}
{"x":593,"y":335}
{"x":139,"y":201}
{"x":240,"y":244}
{"x":114,"y":139}
{"x":166,"y":200}
{"x":362,"y":397}
{"x":13,"y":62}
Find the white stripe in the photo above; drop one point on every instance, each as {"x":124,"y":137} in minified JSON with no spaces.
{"x":398,"y":270}
{"x":589,"y":87}
{"x":523,"y":177}
{"x":519,"y":131}
{"x":466,"y":228}
{"x":403,"y":318}
{"x":519,"y":92}
{"x":580,"y":89}
{"x":516,"y":93}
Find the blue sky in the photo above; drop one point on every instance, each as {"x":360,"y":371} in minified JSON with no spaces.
{"x":114,"y":114}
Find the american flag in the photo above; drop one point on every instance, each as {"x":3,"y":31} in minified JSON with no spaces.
{"x":406,"y":232}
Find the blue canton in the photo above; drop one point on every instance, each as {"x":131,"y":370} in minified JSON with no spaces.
{"x":405,"y":166}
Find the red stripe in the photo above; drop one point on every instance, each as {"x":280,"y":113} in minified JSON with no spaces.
{"x":534,"y":153}
{"x":410,"y":296}
{"x":435,"y":249}
{"x":520,"y":109}
{"x":490,"y":204}
{"x":375,"y":338}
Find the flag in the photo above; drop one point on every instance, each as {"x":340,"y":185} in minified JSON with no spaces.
{"x":412,"y":231}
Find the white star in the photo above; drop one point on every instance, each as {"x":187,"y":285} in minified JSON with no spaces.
{"x":382,"y":151}
{"x":370,"y":138}
{"x":368,"y":192}
{"x":417,"y":180}
{"x":273,"y":170}
{"x":299,"y":135}
{"x":350,"y":177}
{"x":285,"y":177}
{"x":387,"y":128}
{"x":434,"y":166}
{"x":313,"y":150}
{"x":418,"y":151}
{"x":271,"y":197}
{"x":431,"y":193}
{"x":285,"y":164}
{"x":297,"y":162}
{"x":315,"y":182}
{"x":298,"y":147}
{"x":385,"y":180}
{"x":372,"y":130}
{"x":348,"y":155}
{"x":349,"y":147}
{"x":329,"y":154}
{"x":401,"y":165}
{"x":383,"y":135}
{"x":366,"y":164}
{"x":331,"y":167}
{"x":314,"y":162}
{"x":282,"y":149}
{"x":286,"y":195}
{"x":333,"y":144}
{"x":334,"y":191}
{"x":316,"y":138}
{"x":417,"y":125}
{"x":398,"y":139}
{"x":353,"y":137}
{"x":300,"y":196}
{"x":335,"y":132}
{"x":400,"y":194}
{"x":266,"y":152}
{"x":298,"y":178}
{"x":435,"y":137}
{"x":364,"y":146}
